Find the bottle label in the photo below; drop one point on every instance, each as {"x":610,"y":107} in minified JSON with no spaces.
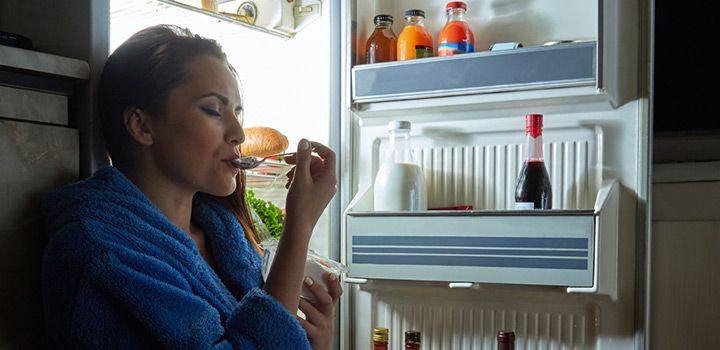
{"x":450,"y":48}
{"x":422,"y":51}
{"x":524,"y":205}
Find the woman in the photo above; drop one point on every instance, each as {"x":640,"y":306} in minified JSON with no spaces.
{"x":158,"y":250}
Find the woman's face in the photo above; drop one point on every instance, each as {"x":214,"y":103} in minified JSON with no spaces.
{"x":201,"y":129}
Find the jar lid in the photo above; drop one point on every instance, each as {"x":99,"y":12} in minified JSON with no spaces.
{"x":455,"y":5}
{"x":398,"y":125}
{"x":383,"y":18}
{"x":380,"y":334}
{"x":415,"y":12}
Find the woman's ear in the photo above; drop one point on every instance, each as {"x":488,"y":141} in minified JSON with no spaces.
{"x":138,"y":126}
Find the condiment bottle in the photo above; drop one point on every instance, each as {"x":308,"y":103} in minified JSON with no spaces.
{"x":400,"y":182}
{"x":456,"y":37}
{"x":380,"y":338}
{"x":533,"y":190}
{"x":382,"y":44}
{"x":414,"y":41}
{"x":505,"y":340}
{"x":412,"y":340}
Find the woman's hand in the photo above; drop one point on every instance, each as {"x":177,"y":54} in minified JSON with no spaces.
{"x":320,"y":316}
{"x":311,"y":189}
{"x":312,"y":184}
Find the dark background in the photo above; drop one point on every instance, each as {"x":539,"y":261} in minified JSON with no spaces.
{"x":686,"y":92}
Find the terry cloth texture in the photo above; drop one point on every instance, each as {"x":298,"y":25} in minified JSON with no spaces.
{"x":118,"y":274}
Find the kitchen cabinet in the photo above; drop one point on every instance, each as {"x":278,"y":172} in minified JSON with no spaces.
{"x":39,"y":151}
{"x":684,"y":307}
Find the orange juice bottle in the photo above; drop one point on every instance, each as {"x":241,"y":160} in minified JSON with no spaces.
{"x":456,"y":37}
{"x":414,"y":41}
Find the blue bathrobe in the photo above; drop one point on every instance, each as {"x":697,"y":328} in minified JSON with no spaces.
{"x":118,"y":274}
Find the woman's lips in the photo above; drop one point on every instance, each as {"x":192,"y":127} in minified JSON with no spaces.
{"x":231,"y":166}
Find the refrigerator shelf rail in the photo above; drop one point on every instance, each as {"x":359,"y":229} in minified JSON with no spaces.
{"x":532,"y":68}
{"x":576,"y":249}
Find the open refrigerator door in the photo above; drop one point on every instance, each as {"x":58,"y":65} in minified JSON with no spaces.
{"x":560,"y":278}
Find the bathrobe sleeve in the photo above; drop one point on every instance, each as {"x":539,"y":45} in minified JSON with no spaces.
{"x":124,"y":299}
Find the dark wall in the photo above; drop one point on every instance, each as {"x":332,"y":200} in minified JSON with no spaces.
{"x":685,"y":72}
{"x":70,"y":28}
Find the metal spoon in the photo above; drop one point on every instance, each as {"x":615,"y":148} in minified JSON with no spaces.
{"x":250,"y":162}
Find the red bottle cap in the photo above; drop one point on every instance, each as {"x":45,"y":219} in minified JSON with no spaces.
{"x":533,"y":124}
{"x":455,"y":5}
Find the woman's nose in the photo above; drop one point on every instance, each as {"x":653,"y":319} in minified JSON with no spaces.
{"x":235,"y":133}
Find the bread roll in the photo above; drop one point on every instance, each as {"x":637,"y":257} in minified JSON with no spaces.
{"x":262,"y":141}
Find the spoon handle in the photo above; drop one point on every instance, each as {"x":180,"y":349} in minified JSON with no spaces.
{"x":280,"y":156}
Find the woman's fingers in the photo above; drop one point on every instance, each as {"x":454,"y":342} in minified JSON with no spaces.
{"x":309,"y":328}
{"x":290,"y":176}
{"x":304,"y":323}
{"x":321,"y":313}
{"x":312,"y":314}
{"x":334,"y":288}
{"x":310,"y":190}
{"x":324,"y":301}
{"x":315,"y":165}
{"x":327,"y":154}
{"x":303,"y":158}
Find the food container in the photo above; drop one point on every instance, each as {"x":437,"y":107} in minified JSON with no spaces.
{"x":316,"y":266}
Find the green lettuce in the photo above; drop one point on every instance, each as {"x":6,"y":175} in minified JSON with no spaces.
{"x":269,"y":213}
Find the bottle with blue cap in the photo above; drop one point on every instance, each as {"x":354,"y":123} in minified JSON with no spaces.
{"x":400,"y":182}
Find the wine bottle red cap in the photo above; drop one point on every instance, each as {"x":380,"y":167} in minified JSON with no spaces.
{"x":456,"y":5}
{"x":505,"y":336}
{"x":533,"y":124}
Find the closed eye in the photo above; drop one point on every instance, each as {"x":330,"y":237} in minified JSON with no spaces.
{"x":211,"y":112}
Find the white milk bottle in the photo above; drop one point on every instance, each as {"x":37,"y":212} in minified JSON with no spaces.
{"x":400,"y":182}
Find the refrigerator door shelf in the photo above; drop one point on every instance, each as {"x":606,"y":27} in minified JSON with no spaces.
{"x":522,"y":69}
{"x":277,"y":17}
{"x":569,"y":248}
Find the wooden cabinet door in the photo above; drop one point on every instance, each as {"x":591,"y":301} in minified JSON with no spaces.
{"x":34,"y":159}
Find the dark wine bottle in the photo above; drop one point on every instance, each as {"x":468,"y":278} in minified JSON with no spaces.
{"x":506,"y":340}
{"x":412,"y":340}
{"x":532,"y":190}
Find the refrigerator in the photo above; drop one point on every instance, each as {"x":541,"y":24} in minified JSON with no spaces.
{"x":567,"y":278}
{"x":439,"y":272}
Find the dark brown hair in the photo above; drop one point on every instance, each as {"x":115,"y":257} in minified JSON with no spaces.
{"x":141,"y":73}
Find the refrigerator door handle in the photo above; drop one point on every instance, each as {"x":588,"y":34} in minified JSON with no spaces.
{"x":356,"y":280}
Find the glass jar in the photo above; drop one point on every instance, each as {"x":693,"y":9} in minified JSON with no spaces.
{"x":400,"y":181}
{"x":456,"y":37}
{"x":382,"y":43}
{"x":414,"y":41}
